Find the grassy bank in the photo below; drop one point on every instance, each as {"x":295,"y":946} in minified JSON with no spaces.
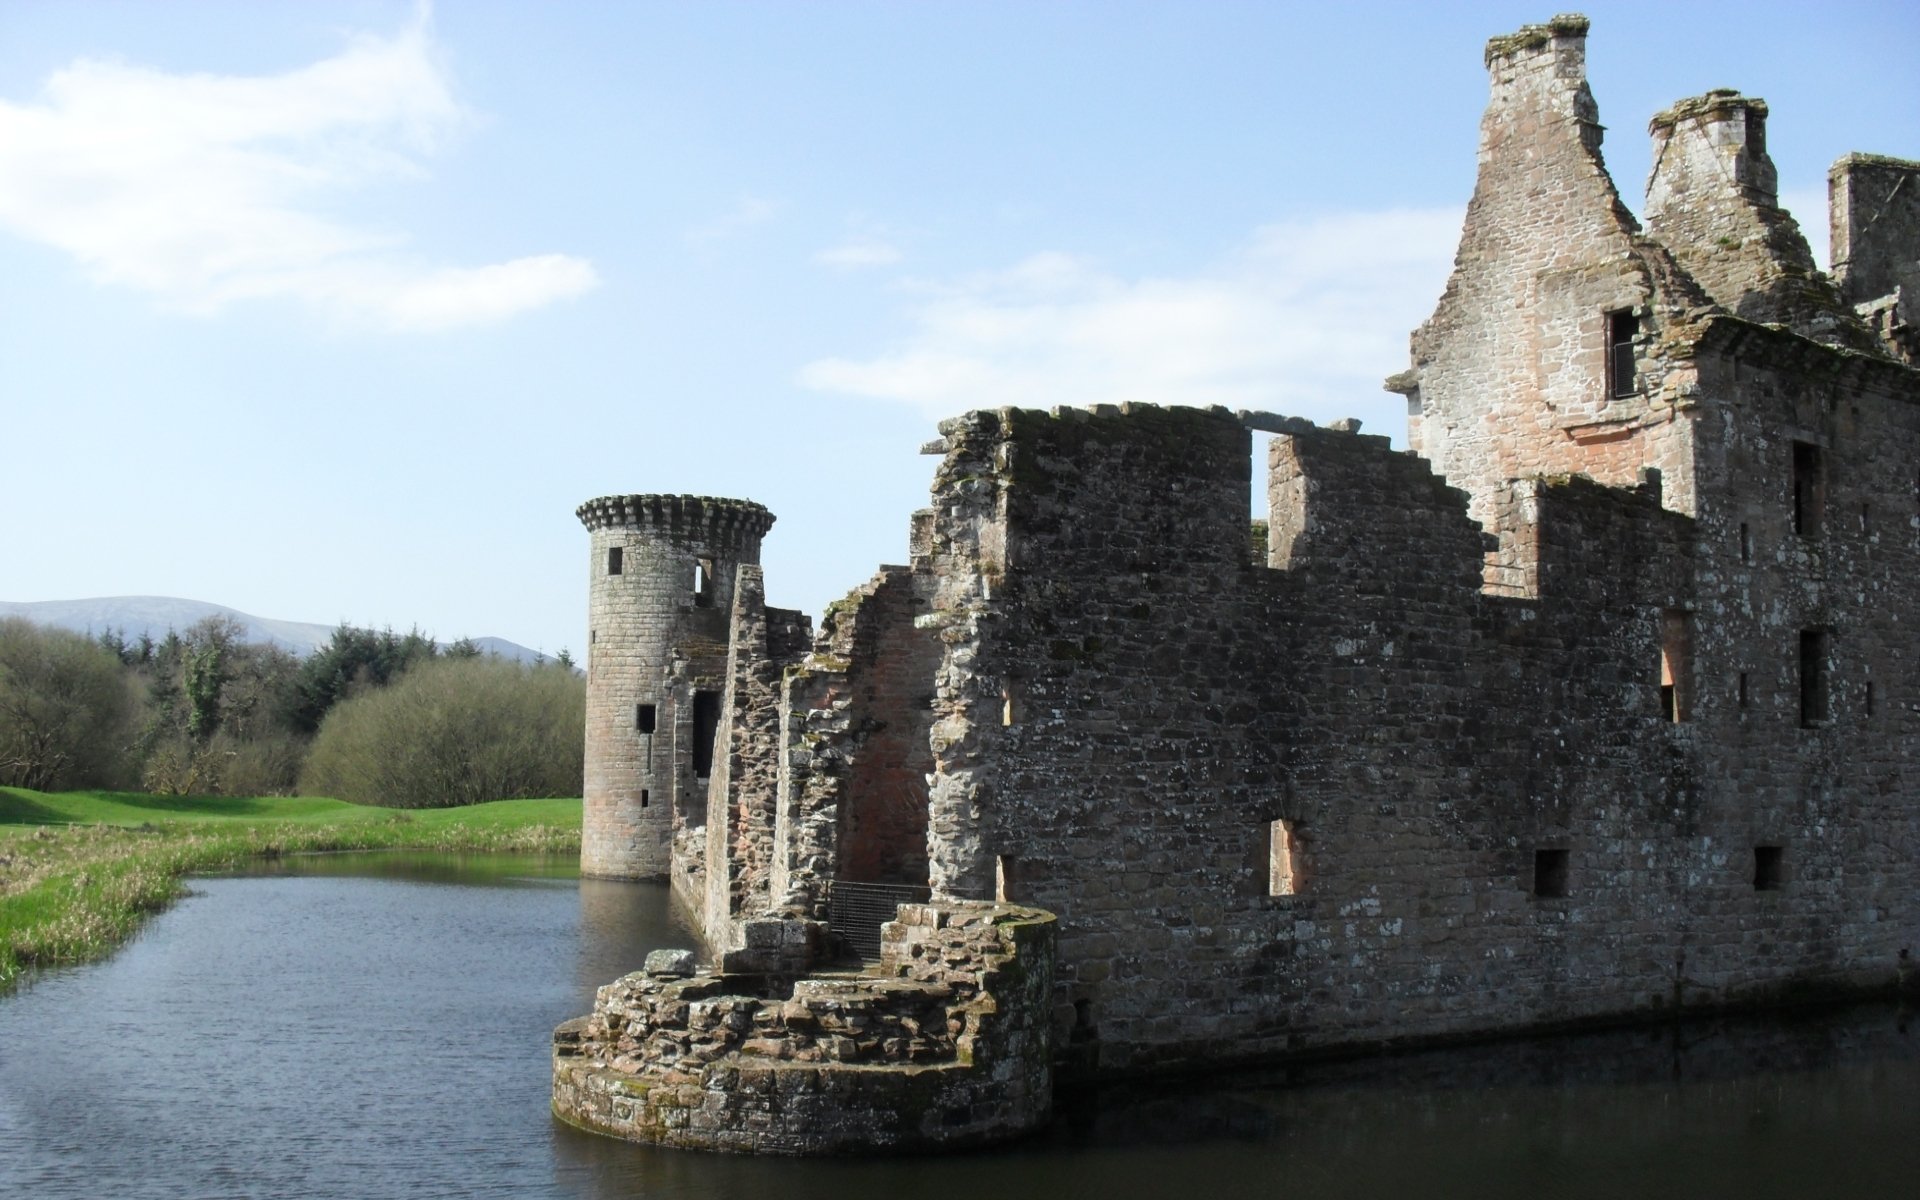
{"x":80,"y":870}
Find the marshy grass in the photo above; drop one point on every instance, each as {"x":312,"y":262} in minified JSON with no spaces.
{"x":79,"y":871}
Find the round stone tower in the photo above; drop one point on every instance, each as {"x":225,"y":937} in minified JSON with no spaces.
{"x":659,"y":601}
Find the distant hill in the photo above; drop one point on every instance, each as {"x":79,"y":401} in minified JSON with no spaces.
{"x":155,"y":615}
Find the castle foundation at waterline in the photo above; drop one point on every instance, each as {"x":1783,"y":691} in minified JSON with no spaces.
{"x":1598,"y":704}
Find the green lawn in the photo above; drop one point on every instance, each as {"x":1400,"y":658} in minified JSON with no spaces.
{"x":80,"y":870}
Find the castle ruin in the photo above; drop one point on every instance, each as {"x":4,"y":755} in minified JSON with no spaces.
{"x":1600,"y":703}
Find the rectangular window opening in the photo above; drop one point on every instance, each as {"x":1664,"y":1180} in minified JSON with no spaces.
{"x":1007,"y":714}
{"x":1550,"y":873}
{"x":1745,"y":695}
{"x":1769,"y":868}
{"x":643,"y":797}
{"x":1746,"y":542}
{"x":615,"y":557}
{"x":706,"y":724}
{"x":1813,"y":677}
{"x":1866,"y":518}
{"x":1809,"y":488}
{"x":703,"y":583}
{"x":1622,"y":328}
{"x":1676,"y":652}
{"x":1869,"y":698}
{"x":644,"y":717}
{"x":1283,"y":859}
{"x":1006,"y":879}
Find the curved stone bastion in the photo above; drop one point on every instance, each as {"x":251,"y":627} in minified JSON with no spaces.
{"x":945,"y":1043}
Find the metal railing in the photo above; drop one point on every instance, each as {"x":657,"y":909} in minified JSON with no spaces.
{"x":855,"y":912}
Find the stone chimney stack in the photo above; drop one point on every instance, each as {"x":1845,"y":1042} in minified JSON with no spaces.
{"x":1713,"y":200}
{"x":1875,"y":214}
{"x":1716,"y":143}
{"x":1541,"y":70}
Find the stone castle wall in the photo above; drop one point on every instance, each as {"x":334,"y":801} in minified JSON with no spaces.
{"x":1598,"y":704}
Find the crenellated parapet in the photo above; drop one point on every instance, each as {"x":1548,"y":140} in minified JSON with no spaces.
{"x":721,"y":524}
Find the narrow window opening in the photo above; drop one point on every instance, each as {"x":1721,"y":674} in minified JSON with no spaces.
{"x":706,"y":723}
{"x":1676,"y":650}
{"x":1622,"y":328}
{"x":1283,"y":859}
{"x":1260,"y":475}
{"x":1550,"y":873}
{"x":1866,"y":518}
{"x":1083,"y":1027}
{"x":1809,"y":488}
{"x":644,"y":717}
{"x":1813,"y":677}
{"x":643,"y":797}
{"x":1869,"y":698}
{"x":703,"y":583}
{"x":1006,"y":879}
{"x":1746,"y":542}
{"x":615,"y":559}
{"x":1745,"y":695}
{"x":1006,"y":705}
{"x":1769,"y":868}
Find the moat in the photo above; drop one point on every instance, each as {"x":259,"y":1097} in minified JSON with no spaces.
{"x":366,"y":1025}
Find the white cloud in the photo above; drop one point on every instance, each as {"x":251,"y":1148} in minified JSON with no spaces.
{"x":206,"y":190}
{"x":858,"y":252}
{"x":1303,"y":317}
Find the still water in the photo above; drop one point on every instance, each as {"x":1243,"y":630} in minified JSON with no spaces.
{"x":376,"y":1026}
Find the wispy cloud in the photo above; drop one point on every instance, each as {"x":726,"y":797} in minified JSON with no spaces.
{"x":207,"y":190}
{"x":855,"y":253}
{"x":748,"y":212}
{"x":1298,"y":318}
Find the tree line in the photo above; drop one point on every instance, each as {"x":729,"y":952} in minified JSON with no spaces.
{"x":373,"y":717}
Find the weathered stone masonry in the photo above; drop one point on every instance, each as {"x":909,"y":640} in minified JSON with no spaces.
{"x":1597,"y":705}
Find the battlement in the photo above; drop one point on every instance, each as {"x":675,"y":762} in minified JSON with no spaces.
{"x":711,"y":520}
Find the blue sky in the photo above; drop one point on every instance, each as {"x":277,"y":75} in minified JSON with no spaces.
{"x":335,"y":311}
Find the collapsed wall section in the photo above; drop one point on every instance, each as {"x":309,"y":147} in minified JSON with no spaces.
{"x":891,"y":660}
{"x":731,"y":878}
{"x":946,"y":1045}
